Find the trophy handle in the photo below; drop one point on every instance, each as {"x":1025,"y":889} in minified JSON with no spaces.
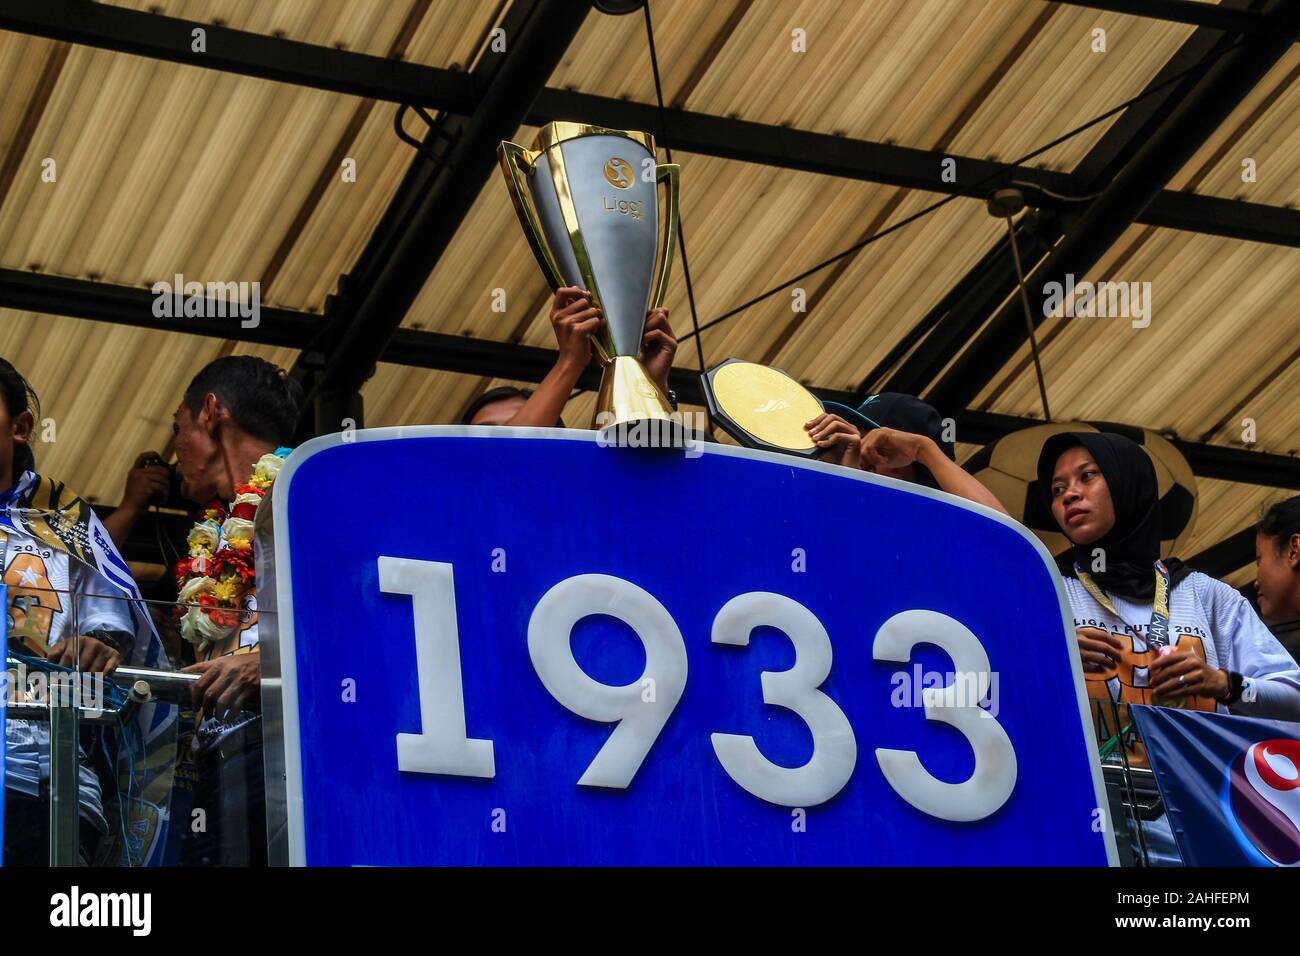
{"x":516,"y":163}
{"x":671,"y":174}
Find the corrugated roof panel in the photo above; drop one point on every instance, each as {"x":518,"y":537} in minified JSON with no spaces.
{"x":1262,"y":129}
{"x":1009,"y":77}
{"x":1226,"y":508}
{"x":1222,"y":329}
{"x":107,"y":392}
{"x":164,"y":168}
{"x":366,"y":26}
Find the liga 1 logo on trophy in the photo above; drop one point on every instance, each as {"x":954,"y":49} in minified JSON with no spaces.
{"x":618,"y":171}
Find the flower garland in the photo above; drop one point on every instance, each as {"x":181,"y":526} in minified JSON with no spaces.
{"x":220,"y":570}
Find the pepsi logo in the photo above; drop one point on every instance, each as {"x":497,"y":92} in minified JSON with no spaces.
{"x":1263,"y":800}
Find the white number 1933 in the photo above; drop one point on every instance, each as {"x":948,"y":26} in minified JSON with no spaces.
{"x":443,"y":747}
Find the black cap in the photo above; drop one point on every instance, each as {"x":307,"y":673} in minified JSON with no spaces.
{"x":907,"y":413}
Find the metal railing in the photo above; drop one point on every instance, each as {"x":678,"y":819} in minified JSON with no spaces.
{"x":65,"y":715}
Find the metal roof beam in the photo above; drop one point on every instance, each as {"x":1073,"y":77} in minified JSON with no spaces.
{"x":289,"y":61}
{"x":125,"y":305}
{"x":1087,"y":238}
{"x":984,"y":287}
{"x":894,"y":165}
{"x":110,"y":27}
{"x":1231,"y":554}
{"x":1216,"y":17}
{"x":420,"y":226}
{"x":128,"y":305}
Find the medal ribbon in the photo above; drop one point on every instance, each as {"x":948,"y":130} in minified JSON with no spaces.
{"x":1158,"y":629}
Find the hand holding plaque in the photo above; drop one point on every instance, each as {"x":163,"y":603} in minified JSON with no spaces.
{"x":761,"y":407}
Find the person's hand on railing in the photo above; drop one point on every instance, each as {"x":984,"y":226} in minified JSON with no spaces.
{"x":87,"y":654}
{"x":227,"y":683}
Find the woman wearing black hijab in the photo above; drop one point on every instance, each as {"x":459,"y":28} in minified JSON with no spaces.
{"x":1152,"y":631}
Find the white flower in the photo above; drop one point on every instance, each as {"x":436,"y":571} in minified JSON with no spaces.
{"x":189,"y":626}
{"x":267,"y":467}
{"x":203,"y":537}
{"x":237,"y":528}
{"x":210,"y":630}
{"x":194,"y":587}
{"x":199,"y":629}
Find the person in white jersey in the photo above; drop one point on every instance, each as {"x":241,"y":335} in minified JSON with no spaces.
{"x":70,"y":601}
{"x":1103,"y":497}
{"x":1152,"y":631}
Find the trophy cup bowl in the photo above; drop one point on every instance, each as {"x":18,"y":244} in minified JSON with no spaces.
{"x":590,"y":210}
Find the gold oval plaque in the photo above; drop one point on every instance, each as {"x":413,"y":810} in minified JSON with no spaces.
{"x":768,"y":407}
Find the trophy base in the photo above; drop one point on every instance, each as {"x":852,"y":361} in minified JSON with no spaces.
{"x":632,"y":412}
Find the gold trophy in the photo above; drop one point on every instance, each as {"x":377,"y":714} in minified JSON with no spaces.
{"x":590,"y":210}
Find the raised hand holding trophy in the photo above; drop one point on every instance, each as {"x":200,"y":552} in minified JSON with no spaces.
{"x":590,"y":209}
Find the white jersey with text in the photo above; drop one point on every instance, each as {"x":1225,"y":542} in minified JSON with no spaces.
{"x":50,"y":598}
{"x":1212,"y":620}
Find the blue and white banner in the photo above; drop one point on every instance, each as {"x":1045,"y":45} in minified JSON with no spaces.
{"x":515,"y":646}
{"x":5,"y":691}
{"x":1230,"y":785}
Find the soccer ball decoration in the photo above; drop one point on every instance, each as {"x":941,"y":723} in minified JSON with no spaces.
{"x":1008,"y":468}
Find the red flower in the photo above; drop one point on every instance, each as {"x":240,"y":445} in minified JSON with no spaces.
{"x":250,"y":490}
{"x":223,"y":618}
{"x":227,"y":561}
{"x":246,"y":511}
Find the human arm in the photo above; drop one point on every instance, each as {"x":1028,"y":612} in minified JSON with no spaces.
{"x":838,"y":438}
{"x":89,"y":654}
{"x":148,"y":477}
{"x":1272,"y":675}
{"x":658,"y":346}
{"x":891,"y":448}
{"x":1178,"y":673}
{"x":573,"y":318}
{"x":226,"y":684}
{"x":100,"y":628}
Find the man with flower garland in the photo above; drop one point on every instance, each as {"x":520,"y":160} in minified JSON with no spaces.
{"x":229,"y":433}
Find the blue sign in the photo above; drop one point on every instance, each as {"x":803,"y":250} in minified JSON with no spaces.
{"x":1230,"y":785}
{"x":515,"y":646}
